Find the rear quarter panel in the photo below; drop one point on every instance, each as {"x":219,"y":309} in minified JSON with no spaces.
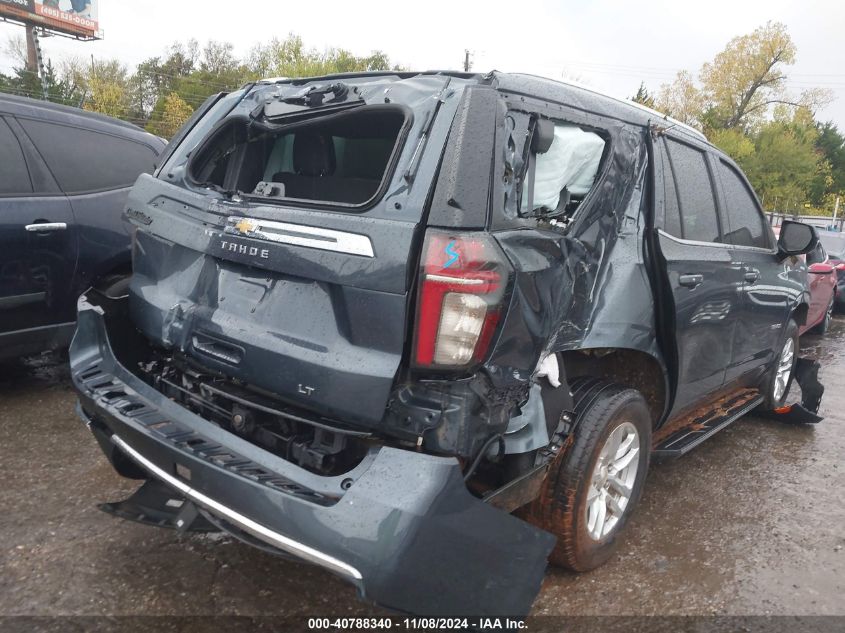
{"x":587,"y":287}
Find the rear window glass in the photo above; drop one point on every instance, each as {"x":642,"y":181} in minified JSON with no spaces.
{"x":341,"y":158}
{"x":695,"y":193}
{"x":565,"y":174}
{"x":82,"y":160}
{"x":14,"y":176}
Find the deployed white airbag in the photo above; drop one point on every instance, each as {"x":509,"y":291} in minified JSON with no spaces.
{"x":571,"y":162}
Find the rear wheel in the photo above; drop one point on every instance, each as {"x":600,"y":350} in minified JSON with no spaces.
{"x":782,"y":373}
{"x":595,"y":483}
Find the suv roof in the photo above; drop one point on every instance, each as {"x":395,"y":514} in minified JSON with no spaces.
{"x":565,"y":92}
{"x":649,"y":113}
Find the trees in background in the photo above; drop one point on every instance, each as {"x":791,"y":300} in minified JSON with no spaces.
{"x":831,"y":144}
{"x":106,"y":87}
{"x":643,"y":96}
{"x":682,"y":100}
{"x":741,"y":101}
{"x":169,"y":116}
{"x":161,"y":92}
{"x":290,"y":58}
{"x":23,"y":82}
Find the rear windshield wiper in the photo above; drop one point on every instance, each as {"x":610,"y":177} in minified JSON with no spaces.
{"x":323,"y":99}
{"x":315,"y":96}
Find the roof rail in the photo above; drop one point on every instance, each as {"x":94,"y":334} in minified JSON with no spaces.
{"x":574,"y":84}
{"x":665,"y":117}
{"x":640,"y":106}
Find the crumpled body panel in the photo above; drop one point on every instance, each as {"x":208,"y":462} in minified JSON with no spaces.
{"x":404,"y":529}
{"x":586,"y":286}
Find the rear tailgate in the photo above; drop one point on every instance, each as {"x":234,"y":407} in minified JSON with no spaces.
{"x":310,"y":304}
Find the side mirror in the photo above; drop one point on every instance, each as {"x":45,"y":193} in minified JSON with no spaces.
{"x":796,"y":238}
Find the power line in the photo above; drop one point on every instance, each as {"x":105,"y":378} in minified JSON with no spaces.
{"x":673,"y":70}
{"x":187,"y":78}
{"x":660,"y":77}
{"x":199,"y":97}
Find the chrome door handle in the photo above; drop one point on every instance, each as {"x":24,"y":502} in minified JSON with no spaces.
{"x":752,"y":276}
{"x":691,"y":281}
{"x":46,"y":227}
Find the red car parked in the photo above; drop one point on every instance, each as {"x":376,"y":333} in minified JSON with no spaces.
{"x":834,"y":244}
{"x":823,"y":288}
{"x":822,"y":291}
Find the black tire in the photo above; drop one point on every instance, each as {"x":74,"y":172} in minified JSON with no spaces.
{"x":601,"y":407}
{"x":771,"y":401}
{"x":114,"y":286}
{"x":822,"y":327}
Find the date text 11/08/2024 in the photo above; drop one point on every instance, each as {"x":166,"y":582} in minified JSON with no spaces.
{"x":417,"y":624}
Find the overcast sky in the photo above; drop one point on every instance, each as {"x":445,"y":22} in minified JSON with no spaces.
{"x":609,"y":45}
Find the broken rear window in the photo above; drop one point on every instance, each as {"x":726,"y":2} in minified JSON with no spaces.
{"x":343,"y":158}
{"x":564,"y":174}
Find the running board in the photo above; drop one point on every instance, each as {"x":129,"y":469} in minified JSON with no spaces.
{"x":680,"y":437}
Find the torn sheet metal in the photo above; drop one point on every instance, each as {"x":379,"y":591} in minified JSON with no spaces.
{"x":565,"y":279}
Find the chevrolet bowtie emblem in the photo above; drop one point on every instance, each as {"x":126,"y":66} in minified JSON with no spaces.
{"x":246,"y":226}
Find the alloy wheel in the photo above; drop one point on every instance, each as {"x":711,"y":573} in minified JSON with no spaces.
{"x":784,"y":369}
{"x":612,"y":481}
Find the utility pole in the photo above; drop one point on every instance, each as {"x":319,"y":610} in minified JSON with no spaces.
{"x":34,"y":59}
{"x":31,"y":50}
{"x":467,"y":63}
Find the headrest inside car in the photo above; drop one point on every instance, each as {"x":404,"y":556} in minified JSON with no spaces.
{"x":544,"y":134}
{"x":313,"y":154}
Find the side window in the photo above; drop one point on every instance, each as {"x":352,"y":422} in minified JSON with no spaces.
{"x":671,"y":209}
{"x":565,"y":174}
{"x":83,"y":160}
{"x":699,"y":219}
{"x":748,"y":227}
{"x":14,"y":176}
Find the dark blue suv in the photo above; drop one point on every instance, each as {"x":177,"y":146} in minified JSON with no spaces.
{"x":64,"y":178}
{"x":372,"y":315}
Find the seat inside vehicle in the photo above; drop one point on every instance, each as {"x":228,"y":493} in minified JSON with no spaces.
{"x":339,"y":158}
{"x":313,"y":172}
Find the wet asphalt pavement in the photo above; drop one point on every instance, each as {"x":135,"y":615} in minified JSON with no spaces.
{"x":751,"y":522}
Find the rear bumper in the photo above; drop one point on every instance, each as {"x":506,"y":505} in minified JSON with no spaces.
{"x":401,"y":526}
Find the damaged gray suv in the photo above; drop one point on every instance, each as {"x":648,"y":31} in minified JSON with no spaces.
{"x":427,"y":330}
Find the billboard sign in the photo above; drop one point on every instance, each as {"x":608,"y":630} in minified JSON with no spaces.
{"x":72,"y":17}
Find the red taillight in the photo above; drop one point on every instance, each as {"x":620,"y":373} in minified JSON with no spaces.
{"x":462,"y":282}
{"x":840,"y":266}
